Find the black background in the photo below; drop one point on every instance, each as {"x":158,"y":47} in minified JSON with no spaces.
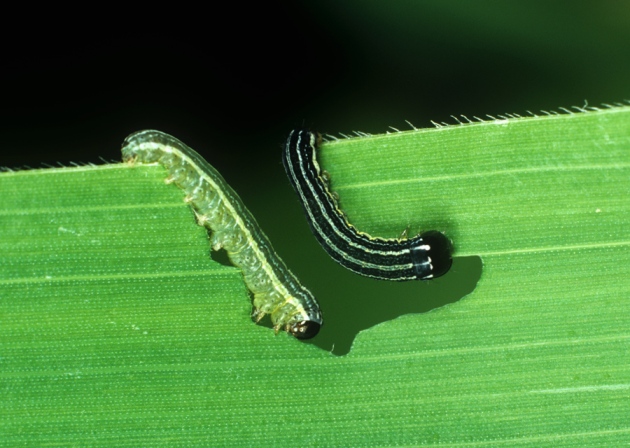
{"x":236,"y":79}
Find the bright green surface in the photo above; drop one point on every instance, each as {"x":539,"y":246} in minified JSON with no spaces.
{"x":117,"y":329}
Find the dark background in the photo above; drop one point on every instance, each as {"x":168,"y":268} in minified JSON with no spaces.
{"x":239,"y":79}
{"x":233,"y":83}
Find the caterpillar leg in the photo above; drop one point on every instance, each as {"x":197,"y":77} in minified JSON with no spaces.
{"x":257,"y":315}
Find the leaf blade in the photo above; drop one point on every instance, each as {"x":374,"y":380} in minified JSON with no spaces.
{"x":116,"y":328}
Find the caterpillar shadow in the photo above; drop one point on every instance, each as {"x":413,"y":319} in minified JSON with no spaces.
{"x":352,"y":303}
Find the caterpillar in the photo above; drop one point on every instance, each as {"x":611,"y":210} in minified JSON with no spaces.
{"x":275,"y":290}
{"x":422,"y":257}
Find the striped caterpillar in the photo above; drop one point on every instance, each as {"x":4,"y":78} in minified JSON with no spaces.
{"x":422,"y":257}
{"x":275,"y":290}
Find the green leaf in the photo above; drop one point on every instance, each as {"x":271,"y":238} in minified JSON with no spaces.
{"x":118,"y":329}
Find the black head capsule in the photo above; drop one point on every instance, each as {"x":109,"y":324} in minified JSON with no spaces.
{"x":305,"y":329}
{"x":439,"y":251}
